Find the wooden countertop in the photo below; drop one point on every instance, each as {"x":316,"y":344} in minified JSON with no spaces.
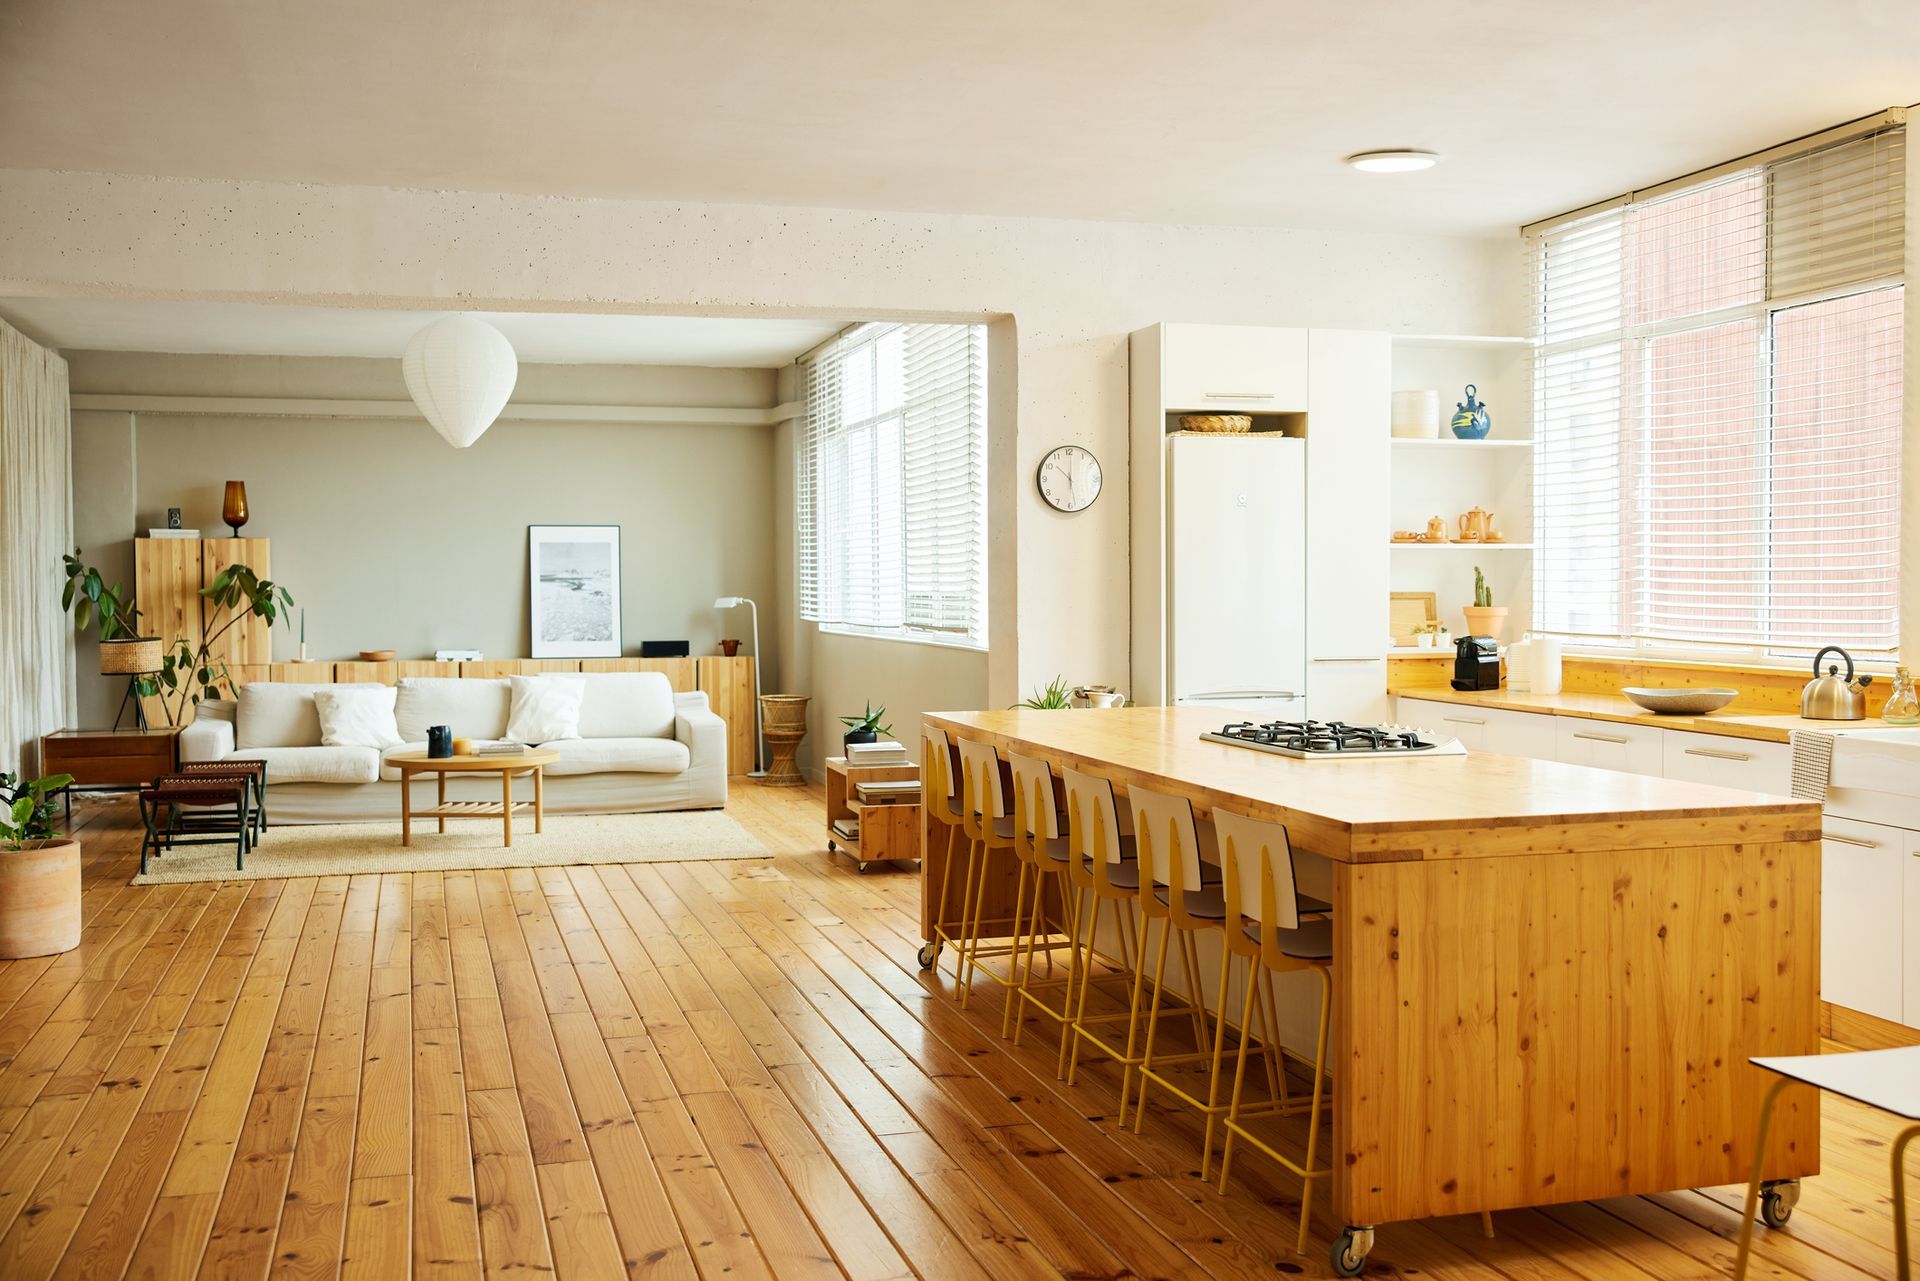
{"x":1386,"y":810}
{"x":1767,"y":727}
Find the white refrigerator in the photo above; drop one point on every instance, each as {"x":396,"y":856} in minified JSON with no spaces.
{"x":1236,"y":558}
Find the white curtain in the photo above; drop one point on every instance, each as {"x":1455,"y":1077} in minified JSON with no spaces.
{"x":36,"y":525}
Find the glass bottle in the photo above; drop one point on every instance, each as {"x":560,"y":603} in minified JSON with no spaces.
{"x":1903,"y":704}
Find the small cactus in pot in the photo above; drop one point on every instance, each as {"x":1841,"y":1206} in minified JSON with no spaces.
{"x":1484,"y":618}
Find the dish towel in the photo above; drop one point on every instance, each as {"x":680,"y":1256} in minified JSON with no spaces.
{"x":1812,"y":763}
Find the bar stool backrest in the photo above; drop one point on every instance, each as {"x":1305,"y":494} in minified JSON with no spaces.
{"x":936,"y":768}
{"x":1093,"y":825}
{"x":1036,"y":817}
{"x":1169,"y":844}
{"x":981,"y":796}
{"x":1257,"y":862}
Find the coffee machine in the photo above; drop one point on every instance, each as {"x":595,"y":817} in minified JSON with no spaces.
{"x":1476,"y":663}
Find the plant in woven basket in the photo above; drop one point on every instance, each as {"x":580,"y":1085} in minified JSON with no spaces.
{"x":1055,"y":697}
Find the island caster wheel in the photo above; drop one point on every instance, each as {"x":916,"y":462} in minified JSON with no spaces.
{"x":928,"y":954}
{"x":832,"y":848}
{"x":1350,"y":1250}
{"x":1777,"y":1199}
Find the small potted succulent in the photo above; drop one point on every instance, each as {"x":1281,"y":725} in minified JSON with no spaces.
{"x":1430,"y":636}
{"x":39,"y":870}
{"x":1484,"y":618}
{"x":866,"y":727}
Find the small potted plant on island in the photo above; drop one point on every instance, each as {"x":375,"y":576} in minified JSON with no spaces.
{"x":1055,"y":697}
{"x":1484,"y":618}
{"x":39,"y":871}
{"x":866,"y":727}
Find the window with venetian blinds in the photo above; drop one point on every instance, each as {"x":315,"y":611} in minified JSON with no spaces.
{"x":891,"y":483}
{"x":1717,"y":408}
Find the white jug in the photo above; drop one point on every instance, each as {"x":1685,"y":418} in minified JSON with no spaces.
{"x":1546,"y":673}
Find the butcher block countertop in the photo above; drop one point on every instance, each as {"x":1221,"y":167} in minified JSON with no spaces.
{"x":1768,"y":727}
{"x":1392,"y":809}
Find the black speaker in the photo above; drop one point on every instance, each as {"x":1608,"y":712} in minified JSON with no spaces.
{"x":665,"y":649}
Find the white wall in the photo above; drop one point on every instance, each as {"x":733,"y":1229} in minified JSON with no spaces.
{"x":1063,"y":294}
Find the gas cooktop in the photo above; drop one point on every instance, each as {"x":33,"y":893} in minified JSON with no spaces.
{"x":1335,"y":740}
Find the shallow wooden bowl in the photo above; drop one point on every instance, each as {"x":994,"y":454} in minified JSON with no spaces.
{"x":376,"y":655}
{"x":1681,"y":702}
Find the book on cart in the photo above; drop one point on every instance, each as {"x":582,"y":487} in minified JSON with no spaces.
{"x":847,"y":829}
{"x":889,"y":792}
{"x":864,"y":754}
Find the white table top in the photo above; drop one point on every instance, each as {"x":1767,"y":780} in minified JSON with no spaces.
{"x":1884,"y":1079}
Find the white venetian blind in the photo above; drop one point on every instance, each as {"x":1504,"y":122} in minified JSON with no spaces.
{"x":891,"y":482}
{"x":1717,"y":401}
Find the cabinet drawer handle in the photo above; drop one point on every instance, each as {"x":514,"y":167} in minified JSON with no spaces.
{"x":1462,"y":720}
{"x":1605,"y":738}
{"x":1862,"y":842}
{"x":1362,"y":658}
{"x":1238,"y":395}
{"x":1717,"y":754}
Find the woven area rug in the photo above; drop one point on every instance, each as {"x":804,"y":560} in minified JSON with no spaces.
{"x":332,"y":849}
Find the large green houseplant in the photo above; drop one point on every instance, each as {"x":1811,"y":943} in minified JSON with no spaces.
{"x":39,"y":870}
{"x":181,"y":673}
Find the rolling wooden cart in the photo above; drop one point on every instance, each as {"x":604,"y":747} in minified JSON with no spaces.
{"x":889,"y":830}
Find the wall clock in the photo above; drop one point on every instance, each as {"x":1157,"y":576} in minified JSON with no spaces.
{"x":1069,"y":478}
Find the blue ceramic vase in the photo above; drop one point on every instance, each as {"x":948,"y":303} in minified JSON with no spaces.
{"x":1471,"y":421}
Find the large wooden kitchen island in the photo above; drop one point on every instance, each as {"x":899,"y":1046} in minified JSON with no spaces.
{"x":1548,"y":978}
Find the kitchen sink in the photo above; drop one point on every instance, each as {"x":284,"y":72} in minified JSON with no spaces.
{"x":1875,"y":777}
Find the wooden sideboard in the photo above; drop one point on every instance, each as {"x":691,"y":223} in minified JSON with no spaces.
{"x":168,"y":574}
{"x":727,"y":682}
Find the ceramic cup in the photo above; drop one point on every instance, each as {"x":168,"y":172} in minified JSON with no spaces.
{"x":439,"y":742}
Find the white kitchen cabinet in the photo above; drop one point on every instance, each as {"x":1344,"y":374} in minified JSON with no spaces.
{"x":1864,"y":906}
{"x":1237,"y":369}
{"x":1726,"y":761}
{"x":1910,"y":932}
{"x":1482,"y":728}
{"x":1636,"y":749}
{"x":1348,"y":537}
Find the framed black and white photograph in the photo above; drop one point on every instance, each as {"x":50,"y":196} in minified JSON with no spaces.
{"x":575,"y":579}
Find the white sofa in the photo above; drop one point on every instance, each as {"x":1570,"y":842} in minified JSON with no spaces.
{"x":641,"y":747}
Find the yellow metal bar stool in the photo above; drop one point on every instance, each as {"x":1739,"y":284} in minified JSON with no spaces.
{"x":1186,"y":904}
{"x":1264,"y":927}
{"x":988,"y":827}
{"x":940,"y":790}
{"x":1103,"y":878}
{"x":1043,"y":847}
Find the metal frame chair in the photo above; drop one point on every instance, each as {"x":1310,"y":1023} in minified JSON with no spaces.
{"x":194,"y":809}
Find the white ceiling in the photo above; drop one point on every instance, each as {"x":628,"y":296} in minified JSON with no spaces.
{"x":1205,"y":110}
{"x":243,"y":329}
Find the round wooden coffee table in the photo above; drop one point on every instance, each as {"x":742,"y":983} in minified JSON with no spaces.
{"x":508,"y":766}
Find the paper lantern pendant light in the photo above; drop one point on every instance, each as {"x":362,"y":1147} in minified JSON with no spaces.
{"x":460,"y":372}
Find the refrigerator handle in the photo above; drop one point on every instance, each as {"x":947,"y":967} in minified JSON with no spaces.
{"x":1217,"y":695}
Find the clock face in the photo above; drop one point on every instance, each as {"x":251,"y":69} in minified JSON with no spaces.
{"x":1069,"y":479}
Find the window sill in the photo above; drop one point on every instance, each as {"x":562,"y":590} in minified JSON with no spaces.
{"x":902,"y":638}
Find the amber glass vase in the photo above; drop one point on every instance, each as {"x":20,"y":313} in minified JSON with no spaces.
{"x":234,"y":511}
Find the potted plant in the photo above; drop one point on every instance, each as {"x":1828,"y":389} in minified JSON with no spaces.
{"x":1484,"y":618}
{"x":1430,"y":635}
{"x":39,"y":871}
{"x":123,"y":651}
{"x":1055,"y":697}
{"x":866,"y":727}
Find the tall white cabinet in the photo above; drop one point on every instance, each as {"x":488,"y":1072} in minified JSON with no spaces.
{"x":1330,"y":387}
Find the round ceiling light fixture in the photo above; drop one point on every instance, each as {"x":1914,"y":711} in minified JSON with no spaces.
{"x":1397,"y":160}
{"x":460,"y":371}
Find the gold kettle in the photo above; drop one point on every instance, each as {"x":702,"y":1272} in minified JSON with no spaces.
{"x":1831,"y":698}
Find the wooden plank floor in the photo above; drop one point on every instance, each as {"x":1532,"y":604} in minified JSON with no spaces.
{"x":664,"y":1070}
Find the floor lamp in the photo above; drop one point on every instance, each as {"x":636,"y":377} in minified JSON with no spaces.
{"x":759,"y":760}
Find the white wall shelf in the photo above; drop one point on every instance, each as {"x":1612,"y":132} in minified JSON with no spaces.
{"x":1461,"y":547}
{"x":1453,"y":444}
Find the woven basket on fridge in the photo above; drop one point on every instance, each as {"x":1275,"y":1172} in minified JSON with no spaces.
{"x":1227,"y":423}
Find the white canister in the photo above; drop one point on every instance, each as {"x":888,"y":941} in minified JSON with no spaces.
{"x":1416,"y":414}
{"x":1520,"y":665}
{"x":1546,"y":667}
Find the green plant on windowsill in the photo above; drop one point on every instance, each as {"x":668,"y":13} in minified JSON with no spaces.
{"x":1057,"y":696}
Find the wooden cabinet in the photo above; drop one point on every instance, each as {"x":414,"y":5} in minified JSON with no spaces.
{"x":1635,"y":749}
{"x":1234,"y":369}
{"x":1910,"y":931}
{"x":250,"y":639}
{"x":1729,"y":762}
{"x":168,"y":574}
{"x":1483,"y":729}
{"x":1863,"y":910}
{"x":888,"y":831}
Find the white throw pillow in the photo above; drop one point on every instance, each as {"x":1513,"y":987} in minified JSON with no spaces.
{"x":545,"y":708}
{"x":360,"y":717}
